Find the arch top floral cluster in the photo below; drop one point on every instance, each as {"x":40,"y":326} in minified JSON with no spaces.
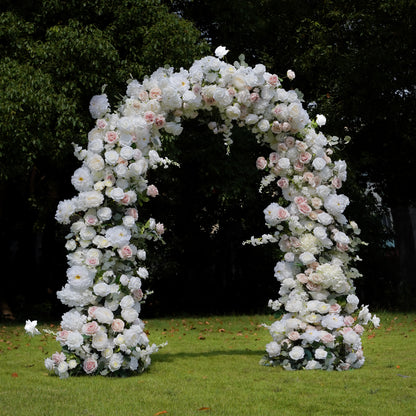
{"x":102,"y":333}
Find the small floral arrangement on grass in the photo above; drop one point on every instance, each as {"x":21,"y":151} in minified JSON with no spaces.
{"x":102,"y":333}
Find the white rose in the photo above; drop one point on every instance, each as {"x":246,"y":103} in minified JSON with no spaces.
{"x":320,"y":120}
{"x":104,"y":214}
{"x":263,"y":125}
{"x":324,"y":218}
{"x":284,"y":163}
{"x":126,"y":152}
{"x":117,"y":194}
{"x":307,"y":258}
{"x":319,"y":163}
{"x":95,"y":162}
{"x":273,"y":349}
{"x":104,"y":315}
{"x":296,"y":353}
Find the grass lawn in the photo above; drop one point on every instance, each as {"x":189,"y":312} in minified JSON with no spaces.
{"x":210,"y":367}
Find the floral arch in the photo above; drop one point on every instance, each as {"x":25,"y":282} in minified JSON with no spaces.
{"x":320,"y":322}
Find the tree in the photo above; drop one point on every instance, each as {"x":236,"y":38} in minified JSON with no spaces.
{"x":355,"y":62}
{"x":54,"y":56}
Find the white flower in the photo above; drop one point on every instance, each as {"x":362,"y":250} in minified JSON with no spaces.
{"x":104,"y":315}
{"x":104,"y":213}
{"x":143,"y":273}
{"x":221,"y":51}
{"x":290,"y":74}
{"x":74,"y":340}
{"x":297,"y":353}
{"x":319,"y":163}
{"x":31,"y":329}
{"x":99,"y":106}
{"x":307,"y":258}
{"x":263,"y":125}
{"x":73,"y":320}
{"x":129,"y":314}
{"x":320,"y":354}
{"x":273,"y":349}
{"x":82,"y":179}
{"x":332,"y":321}
{"x":127,"y":302}
{"x":80,"y":277}
{"x":90,"y":199}
{"x":324,"y":218}
{"x":116,"y":361}
{"x":65,"y":210}
{"x":336,"y":204}
{"x":118,"y":236}
{"x":99,"y":341}
{"x":320,"y":120}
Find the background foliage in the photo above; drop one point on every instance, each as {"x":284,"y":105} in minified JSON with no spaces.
{"x":355,"y":63}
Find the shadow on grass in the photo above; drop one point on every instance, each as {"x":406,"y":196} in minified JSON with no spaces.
{"x":169,"y":357}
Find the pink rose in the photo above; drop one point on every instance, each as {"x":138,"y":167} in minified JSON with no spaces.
{"x":313,"y":287}
{"x":276,"y":127}
{"x":137,"y":295}
{"x":336,"y":183}
{"x":301,"y":146}
{"x":149,"y":117}
{"x":117,"y":325}
{"x":304,"y":208}
{"x":342,"y":247}
{"x":308,"y":177}
{"x":358,"y":329}
{"x":160,"y":121}
{"x":302,"y":278}
{"x":152,"y":191}
{"x":274,"y":157}
{"x":90,"y":328}
{"x":335,"y":308}
{"x":281,"y":147}
{"x":58,"y":357}
{"x":101,"y":123}
{"x":313,"y":215}
{"x":126,"y":199}
{"x":282,"y":213}
{"x":62,"y":336}
{"x":300,"y":200}
{"x":132,"y":212}
{"x":90,"y":365}
{"x":283,"y":183}
{"x":92,"y":261}
{"x":273,"y":80}
{"x":261,"y":163}
{"x":348,"y":320}
{"x":294,"y":242}
{"x":125,"y":252}
{"x":155,"y":93}
{"x":254,"y":97}
{"x":91,"y":311}
{"x":290,"y":141}
{"x":298,"y":166}
{"x":326,"y":337}
{"x":316,"y":202}
{"x":111,"y":137}
{"x":160,"y":228}
{"x":293,"y":336}
{"x":143,"y":96}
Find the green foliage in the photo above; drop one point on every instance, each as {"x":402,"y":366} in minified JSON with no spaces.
{"x":57,"y":56}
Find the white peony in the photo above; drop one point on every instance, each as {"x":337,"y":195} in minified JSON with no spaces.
{"x":99,"y":106}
